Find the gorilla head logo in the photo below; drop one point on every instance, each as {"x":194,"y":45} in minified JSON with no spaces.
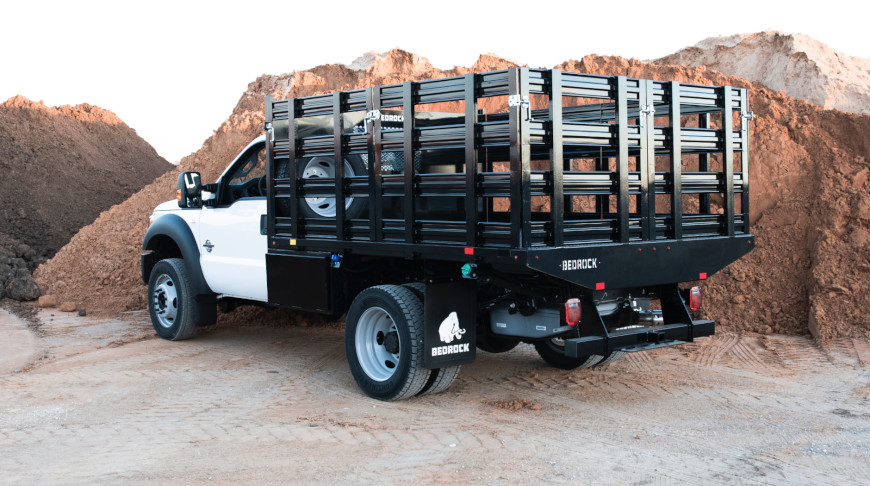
{"x":449,"y":329}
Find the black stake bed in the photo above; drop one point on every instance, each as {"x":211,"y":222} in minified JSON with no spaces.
{"x":597,"y":181}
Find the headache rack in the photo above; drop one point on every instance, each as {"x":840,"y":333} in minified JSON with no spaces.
{"x":524,"y":166}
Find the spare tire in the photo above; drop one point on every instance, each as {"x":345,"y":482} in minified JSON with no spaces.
{"x":322,"y":167}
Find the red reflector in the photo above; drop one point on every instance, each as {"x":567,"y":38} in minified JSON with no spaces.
{"x":469,"y":251}
{"x":695,"y":298}
{"x":572,"y":312}
{"x":599,"y":286}
{"x":702,"y":276}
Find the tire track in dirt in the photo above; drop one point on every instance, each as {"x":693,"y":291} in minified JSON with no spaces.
{"x":709,"y":350}
{"x":795,"y":354}
{"x":243,"y":400}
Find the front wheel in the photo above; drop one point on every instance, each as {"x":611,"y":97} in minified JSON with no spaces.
{"x":170,"y":300}
{"x":384,"y":342}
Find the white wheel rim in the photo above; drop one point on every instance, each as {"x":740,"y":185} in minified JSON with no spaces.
{"x":324,"y":168}
{"x":165,"y":301}
{"x":377,"y":344}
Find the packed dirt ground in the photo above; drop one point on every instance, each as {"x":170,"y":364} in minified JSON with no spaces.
{"x":104,"y":400}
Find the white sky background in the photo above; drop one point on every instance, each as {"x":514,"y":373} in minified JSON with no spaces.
{"x":174,"y":70}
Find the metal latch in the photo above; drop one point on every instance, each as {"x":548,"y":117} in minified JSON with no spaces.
{"x":747,"y":115}
{"x":369,"y":118}
{"x":522,"y":102}
{"x":645,"y":111}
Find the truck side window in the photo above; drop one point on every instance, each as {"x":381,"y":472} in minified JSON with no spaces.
{"x":245,"y":180}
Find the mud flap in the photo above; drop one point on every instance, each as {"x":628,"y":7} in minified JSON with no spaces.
{"x":450,"y":317}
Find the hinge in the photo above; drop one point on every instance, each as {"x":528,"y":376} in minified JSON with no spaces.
{"x":747,"y":115}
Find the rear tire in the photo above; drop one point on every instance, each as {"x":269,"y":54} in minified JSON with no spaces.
{"x":174,"y":313}
{"x":418,"y":288}
{"x":553,"y":352}
{"x":440,"y":379}
{"x":384,"y":343}
{"x":614,"y":356}
{"x":489,"y":342}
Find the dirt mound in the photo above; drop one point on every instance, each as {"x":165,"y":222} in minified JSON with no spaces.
{"x":808,"y":172}
{"x":62,"y":166}
{"x":809,"y":204}
{"x":795,"y":63}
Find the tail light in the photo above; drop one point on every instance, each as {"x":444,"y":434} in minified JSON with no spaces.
{"x":572,"y":312}
{"x":695,"y":298}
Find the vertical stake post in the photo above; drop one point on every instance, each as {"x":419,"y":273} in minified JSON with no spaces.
{"x":338,"y":162}
{"x":373,"y":141}
{"x":557,"y":161}
{"x":293,"y":163}
{"x":408,"y":139}
{"x":471,"y":157}
{"x":676,"y":162}
{"x":270,"y":170}
{"x":744,"y":158}
{"x":728,"y":157}
{"x":622,"y":157}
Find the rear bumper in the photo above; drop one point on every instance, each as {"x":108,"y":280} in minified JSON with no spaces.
{"x":639,"y":339}
{"x":637,"y":264}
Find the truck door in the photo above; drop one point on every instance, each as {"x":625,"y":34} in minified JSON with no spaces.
{"x":232,"y":250}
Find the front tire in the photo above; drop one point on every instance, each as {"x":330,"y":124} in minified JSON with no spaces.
{"x":170,"y":300}
{"x":384,"y":342}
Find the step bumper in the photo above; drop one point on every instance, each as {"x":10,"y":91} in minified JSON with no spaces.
{"x":638,"y":339}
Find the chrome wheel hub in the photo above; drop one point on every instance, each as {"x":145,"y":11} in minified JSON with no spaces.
{"x":165,"y":301}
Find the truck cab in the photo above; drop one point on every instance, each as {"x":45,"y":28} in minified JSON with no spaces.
{"x":223,"y":221}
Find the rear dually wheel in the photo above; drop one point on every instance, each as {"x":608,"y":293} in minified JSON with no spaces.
{"x":384,"y":342}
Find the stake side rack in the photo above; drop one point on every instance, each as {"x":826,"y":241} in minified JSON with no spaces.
{"x":526,"y":169}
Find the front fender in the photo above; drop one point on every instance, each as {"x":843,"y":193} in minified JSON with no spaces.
{"x":176,"y":229}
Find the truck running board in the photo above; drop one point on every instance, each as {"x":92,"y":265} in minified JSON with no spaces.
{"x":638,"y":339}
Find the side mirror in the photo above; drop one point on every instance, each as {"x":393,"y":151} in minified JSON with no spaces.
{"x":189,"y":194}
